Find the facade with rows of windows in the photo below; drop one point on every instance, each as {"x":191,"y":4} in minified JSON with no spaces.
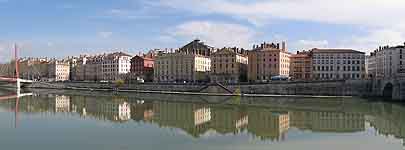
{"x":59,"y":70}
{"x":115,"y":66}
{"x":387,"y":62}
{"x":191,"y":63}
{"x":267,"y":61}
{"x":301,"y":66}
{"x":229,"y":65}
{"x":337,"y":64}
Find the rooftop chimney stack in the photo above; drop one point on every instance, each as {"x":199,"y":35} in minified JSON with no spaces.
{"x":283,"y":46}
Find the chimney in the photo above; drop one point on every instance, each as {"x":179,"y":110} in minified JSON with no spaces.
{"x":278,"y":45}
{"x":298,"y":52}
{"x":283,"y":46}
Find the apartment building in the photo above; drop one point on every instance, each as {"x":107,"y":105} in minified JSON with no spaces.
{"x":190,"y":63}
{"x":337,"y":64}
{"x":301,"y":66}
{"x":59,"y":70}
{"x":93,"y":68}
{"x":229,"y":65}
{"x":115,"y":66}
{"x":268,"y":60}
{"x":142,"y":67}
{"x":387,"y":62}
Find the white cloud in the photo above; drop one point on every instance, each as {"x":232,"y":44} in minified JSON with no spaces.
{"x":216,"y":34}
{"x":361,"y":12}
{"x":105,"y":34}
{"x":49,"y":44}
{"x":308,"y":44}
{"x":381,"y":19}
{"x":140,"y":13}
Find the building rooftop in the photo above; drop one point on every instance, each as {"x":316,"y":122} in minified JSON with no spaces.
{"x":317,"y":50}
{"x":234,"y":50}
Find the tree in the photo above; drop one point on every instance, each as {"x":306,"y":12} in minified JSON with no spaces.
{"x":119,"y":83}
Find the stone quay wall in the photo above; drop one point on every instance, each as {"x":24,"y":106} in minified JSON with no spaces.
{"x":321,"y":88}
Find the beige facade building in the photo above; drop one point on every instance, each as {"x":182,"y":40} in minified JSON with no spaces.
{"x":301,"y":66}
{"x":59,"y":70}
{"x":80,"y":69}
{"x":387,"y":62}
{"x":77,"y":67}
{"x":191,"y":63}
{"x":93,"y":68}
{"x":229,"y":65}
{"x":337,"y":64}
{"x":268,"y":60}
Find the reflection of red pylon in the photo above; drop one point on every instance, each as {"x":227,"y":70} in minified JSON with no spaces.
{"x":16,"y":112}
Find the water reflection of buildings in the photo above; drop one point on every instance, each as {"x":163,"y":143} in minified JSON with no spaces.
{"x":142,"y":112}
{"x":196,"y":119}
{"x":389,"y":120}
{"x":61,"y":103}
{"x":328,"y":121}
{"x":115,"y":109}
{"x":268,"y":125}
{"x":229,"y":119}
{"x":192,"y":118}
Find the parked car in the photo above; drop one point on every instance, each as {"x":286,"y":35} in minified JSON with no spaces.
{"x":280,"y":78}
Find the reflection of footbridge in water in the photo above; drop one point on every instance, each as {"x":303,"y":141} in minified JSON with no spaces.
{"x":14,"y":96}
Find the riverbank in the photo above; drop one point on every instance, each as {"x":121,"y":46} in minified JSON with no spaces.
{"x":285,"y":89}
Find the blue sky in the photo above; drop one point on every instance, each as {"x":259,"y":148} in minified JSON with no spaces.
{"x":72,"y":27}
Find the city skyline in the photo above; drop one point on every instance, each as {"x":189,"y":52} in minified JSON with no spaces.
{"x":66,"y":28}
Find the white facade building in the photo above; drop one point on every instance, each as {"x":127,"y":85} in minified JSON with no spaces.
{"x":59,"y":70}
{"x":115,"y":66}
{"x":337,"y":64}
{"x":387,"y":62}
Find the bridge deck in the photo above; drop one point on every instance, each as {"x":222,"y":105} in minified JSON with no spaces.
{"x":14,"y":80}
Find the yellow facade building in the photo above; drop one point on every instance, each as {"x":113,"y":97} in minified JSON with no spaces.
{"x":301,"y":66}
{"x":190,"y":63}
{"x":229,"y":65}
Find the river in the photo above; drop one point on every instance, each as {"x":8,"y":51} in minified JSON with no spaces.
{"x":66,"y":120}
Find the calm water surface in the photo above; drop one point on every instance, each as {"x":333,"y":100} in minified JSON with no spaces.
{"x":66,"y":120}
